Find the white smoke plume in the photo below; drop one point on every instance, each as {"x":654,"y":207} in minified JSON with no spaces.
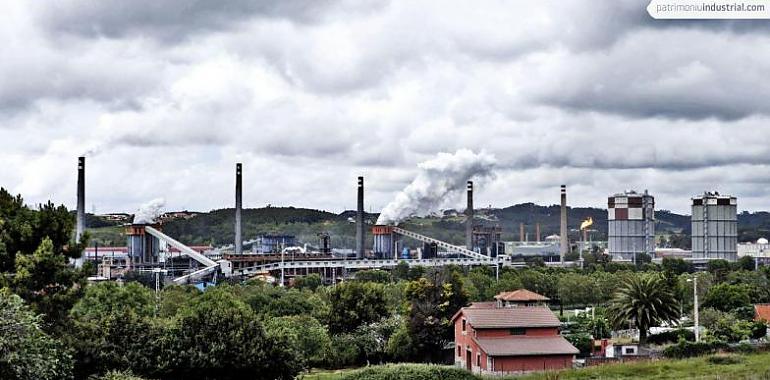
{"x":438,"y":179}
{"x":149,"y":212}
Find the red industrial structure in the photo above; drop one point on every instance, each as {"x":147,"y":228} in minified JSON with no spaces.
{"x":517,"y":333}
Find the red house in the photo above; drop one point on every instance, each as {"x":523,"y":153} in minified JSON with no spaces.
{"x":513,"y":335}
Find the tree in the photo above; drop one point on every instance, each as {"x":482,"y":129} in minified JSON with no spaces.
{"x":219,"y":336}
{"x":22,"y":230}
{"x":354,"y":303}
{"x":729,"y":329}
{"x":294,"y":302}
{"x":103,"y":299}
{"x":26,"y":352}
{"x":374,"y":275}
{"x":539,"y":282}
{"x":480,"y":285}
{"x":48,"y":283}
{"x":644,"y":300}
{"x":176,"y":297}
{"x":309,"y":335}
{"x":309,"y":282}
{"x":719,"y":268}
{"x":432,"y":303}
{"x":676,"y":266}
{"x":726,"y":297}
{"x":120,"y":339}
{"x":508,"y":281}
{"x":576,"y":289}
{"x":744,"y":263}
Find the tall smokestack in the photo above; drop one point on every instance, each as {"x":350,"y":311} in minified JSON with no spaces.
{"x":238,"y":208}
{"x":537,"y":232}
{"x":80,"y":221}
{"x":563,"y":231}
{"x":81,"y":207}
{"x":469,"y":219}
{"x":521,"y":232}
{"x":360,"y":230}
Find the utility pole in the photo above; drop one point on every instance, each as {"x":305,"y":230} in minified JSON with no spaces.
{"x":694,"y":281}
{"x":282,"y":267}
{"x":695,"y":296}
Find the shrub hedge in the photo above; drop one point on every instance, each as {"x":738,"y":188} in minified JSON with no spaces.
{"x":410,"y":372}
{"x":685,"y":349}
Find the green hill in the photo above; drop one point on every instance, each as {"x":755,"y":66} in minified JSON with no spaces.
{"x":216,"y":227}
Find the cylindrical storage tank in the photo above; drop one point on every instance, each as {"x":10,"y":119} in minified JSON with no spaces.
{"x":383,"y":241}
{"x":631,"y":224}
{"x":715,"y":227}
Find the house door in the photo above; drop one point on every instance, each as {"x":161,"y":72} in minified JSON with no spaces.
{"x":468,"y":360}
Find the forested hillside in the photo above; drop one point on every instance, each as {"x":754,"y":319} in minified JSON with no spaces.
{"x":216,"y":227}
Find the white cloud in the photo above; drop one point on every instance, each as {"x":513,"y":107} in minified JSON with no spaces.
{"x":308,"y":95}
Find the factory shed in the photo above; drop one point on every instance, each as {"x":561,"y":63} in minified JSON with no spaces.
{"x":497,"y":338}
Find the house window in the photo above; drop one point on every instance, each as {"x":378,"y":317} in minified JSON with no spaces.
{"x":629,"y":350}
{"x":478,"y":360}
{"x":518,"y":331}
{"x":459,"y":351}
{"x":463,"y":325}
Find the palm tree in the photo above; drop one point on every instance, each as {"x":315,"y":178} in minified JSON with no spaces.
{"x":645,"y":300}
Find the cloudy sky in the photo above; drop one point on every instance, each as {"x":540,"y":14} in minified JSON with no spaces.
{"x":164,"y":98}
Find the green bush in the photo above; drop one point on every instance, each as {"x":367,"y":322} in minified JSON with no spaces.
{"x":671,"y":336}
{"x":744,"y":348}
{"x":685,"y":349}
{"x":119,"y":375}
{"x":410,"y":372}
{"x":724,"y":359}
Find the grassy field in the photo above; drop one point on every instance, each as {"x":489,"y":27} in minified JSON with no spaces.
{"x":324,"y":375}
{"x":756,"y":366}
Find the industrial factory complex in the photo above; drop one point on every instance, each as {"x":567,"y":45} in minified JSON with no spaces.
{"x":631,"y":231}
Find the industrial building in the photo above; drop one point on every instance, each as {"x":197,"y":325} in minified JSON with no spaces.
{"x":631,"y":224}
{"x":386,"y":242}
{"x":274,"y":243}
{"x":486,"y":240}
{"x":714,"y":226}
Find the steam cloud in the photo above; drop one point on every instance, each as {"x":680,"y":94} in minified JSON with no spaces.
{"x":149,"y":212}
{"x":437,"y":179}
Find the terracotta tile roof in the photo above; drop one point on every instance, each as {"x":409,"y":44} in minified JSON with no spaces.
{"x":762,"y":312}
{"x":508,"y":317}
{"x":521,"y":295}
{"x":525,"y":345}
{"x":483,"y":305}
